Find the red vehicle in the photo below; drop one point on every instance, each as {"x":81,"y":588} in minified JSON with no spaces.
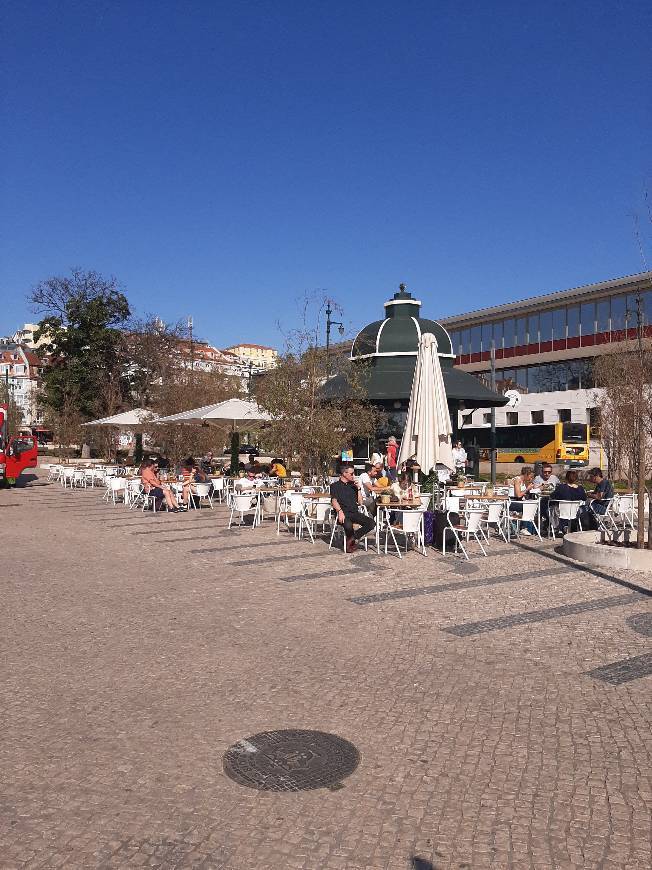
{"x":16,"y":452}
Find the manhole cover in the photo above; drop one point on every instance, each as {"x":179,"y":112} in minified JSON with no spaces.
{"x":291,"y":760}
{"x":641,"y":623}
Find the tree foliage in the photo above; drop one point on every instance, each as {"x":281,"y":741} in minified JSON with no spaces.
{"x":306,"y":428}
{"x":82,"y":316}
{"x":625,"y":403}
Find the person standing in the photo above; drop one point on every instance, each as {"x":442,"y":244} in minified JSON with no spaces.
{"x":392,"y":453}
{"x":346,"y":499}
{"x":459,"y":457}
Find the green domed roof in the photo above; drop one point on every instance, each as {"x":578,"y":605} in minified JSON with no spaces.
{"x":400,"y":332}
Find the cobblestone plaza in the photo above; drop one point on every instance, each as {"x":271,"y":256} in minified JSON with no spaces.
{"x":496,"y":712}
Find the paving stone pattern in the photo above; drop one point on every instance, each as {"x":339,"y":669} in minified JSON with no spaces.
{"x":138,"y":648}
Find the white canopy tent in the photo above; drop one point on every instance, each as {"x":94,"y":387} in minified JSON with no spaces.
{"x":127,"y":419}
{"x":428,"y":430}
{"x":237,"y":412}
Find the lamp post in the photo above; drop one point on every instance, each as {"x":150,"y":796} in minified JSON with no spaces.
{"x":330,"y":323}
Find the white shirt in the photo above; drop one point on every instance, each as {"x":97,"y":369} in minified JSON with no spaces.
{"x":245,"y":483}
{"x":459,"y":455}
{"x":365,"y":481}
{"x":553,"y":480}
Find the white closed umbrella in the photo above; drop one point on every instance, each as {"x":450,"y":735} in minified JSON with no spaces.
{"x":238,"y":412}
{"x":428,"y":430}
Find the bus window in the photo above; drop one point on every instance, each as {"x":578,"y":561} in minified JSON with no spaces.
{"x":573,"y":433}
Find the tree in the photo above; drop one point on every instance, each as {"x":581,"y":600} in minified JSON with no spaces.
{"x":305,"y":426}
{"x":182,"y":390}
{"x":626,"y":414}
{"x":14,"y":414}
{"x":82,"y":315}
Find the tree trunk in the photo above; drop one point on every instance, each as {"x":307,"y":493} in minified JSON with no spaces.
{"x":640,"y":530}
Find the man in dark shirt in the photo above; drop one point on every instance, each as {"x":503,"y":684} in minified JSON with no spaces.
{"x":346,"y":498}
{"x":601,"y":496}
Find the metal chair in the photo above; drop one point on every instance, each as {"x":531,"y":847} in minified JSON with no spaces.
{"x":471,"y":528}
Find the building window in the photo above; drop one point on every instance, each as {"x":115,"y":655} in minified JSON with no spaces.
{"x":475,"y":339}
{"x":545,"y":326}
{"x":618,"y":309}
{"x":487,"y":336}
{"x":587,"y":318}
{"x":512,"y":418}
{"x":521,"y":331}
{"x":533,"y":328}
{"x":559,"y":324}
{"x":498,"y":334}
{"x":594,"y":420}
{"x":564,"y":415}
{"x":573,"y":322}
{"x":508,"y":333}
{"x":466,"y":341}
{"x":537,"y":416}
{"x":486,"y":417}
{"x":467,"y":419}
{"x":602,"y":315}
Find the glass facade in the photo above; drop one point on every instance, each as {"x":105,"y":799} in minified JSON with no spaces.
{"x":574,"y":374}
{"x":567,"y":321}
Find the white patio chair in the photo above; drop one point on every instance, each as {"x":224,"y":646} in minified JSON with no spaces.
{"x":412,"y":527}
{"x":496,"y":515}
{"x":244,"y":503}
{"x":218,"y":488}
{"x":292,"y":507}
{"x":530,"y":515}
{"x":318,"y":514}
{"x":337,"y":527}
{"x":569,"y":511}
{"x":202,"y":492}
{"x":452,"y":504}
{"x":79,"y":480}
{"x":68,"y":477}
{"x":471,"y":528}
{"x":625,"y":508}
{"x":383,"y":525}
{"x":116,"y":490}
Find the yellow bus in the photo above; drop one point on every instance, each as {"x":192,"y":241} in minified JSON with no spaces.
{"x":560,"y":443}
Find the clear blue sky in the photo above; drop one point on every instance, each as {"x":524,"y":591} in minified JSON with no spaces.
{"x":222,"y":158}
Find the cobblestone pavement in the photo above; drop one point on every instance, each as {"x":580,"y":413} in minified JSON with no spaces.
{"x":501,"y":708}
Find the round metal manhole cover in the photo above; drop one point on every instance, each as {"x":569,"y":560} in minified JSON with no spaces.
{"x":641,"y":623}
{"x":291,"y":760}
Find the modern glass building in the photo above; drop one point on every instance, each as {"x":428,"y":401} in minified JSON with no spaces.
{"x":545,"y":347}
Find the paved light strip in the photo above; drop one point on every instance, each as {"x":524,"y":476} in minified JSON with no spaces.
{"x":501,"y":622}
{"x":623,"y":671}
{"x":453,"y":587}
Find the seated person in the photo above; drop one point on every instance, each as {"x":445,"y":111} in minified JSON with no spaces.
{"x":191,"y":474}
{"x":570,"y":490}
{"x":546,"y":478}
{"x":368,"y":485}
{"x":252,"y":461}
{"x":522,"y":483}
{"x":154,"y":486}
{"x":278,"y":469}
{"x":247,"y":482}
{"x":403,"y":488}
{"x":346,"y":499}
{"x":602,"y":494}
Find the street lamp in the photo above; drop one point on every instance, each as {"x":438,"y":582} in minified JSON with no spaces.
{"x":329,"y":323}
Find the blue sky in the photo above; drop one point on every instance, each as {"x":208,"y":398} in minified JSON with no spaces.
{"x":221,"y":159}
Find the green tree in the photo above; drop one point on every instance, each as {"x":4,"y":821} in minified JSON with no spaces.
{"x":81,"y":319}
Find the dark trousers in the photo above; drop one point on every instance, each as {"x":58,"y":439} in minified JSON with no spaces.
{"x":366,"y":525}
